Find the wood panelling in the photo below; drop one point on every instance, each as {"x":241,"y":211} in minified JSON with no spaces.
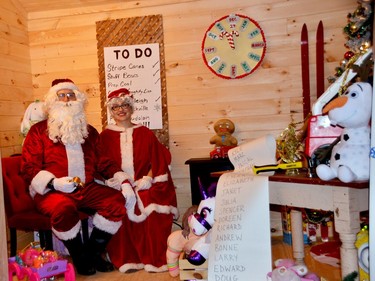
{"x":61,"y":40}
{"x":15,"y":75}
{"x":3,"y":242}
{"x":15,"y":88}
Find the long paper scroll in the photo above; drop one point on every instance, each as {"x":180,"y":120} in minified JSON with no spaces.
{"x":240,"y":248}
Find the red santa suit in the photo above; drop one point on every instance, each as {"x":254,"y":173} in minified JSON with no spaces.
{"x":141,"y":242}
{"x":44,"y":160}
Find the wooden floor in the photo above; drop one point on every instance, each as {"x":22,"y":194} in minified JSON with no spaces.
{"x":324,"y":271}
{"x":279,"y":250}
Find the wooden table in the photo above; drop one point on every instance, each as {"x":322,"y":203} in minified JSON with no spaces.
{"x":345,"y":200}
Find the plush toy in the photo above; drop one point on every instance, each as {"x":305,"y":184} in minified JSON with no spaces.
{"x":288,"y":270}
{"x":223,"y":140}
{"x":350,"y":159}
{"x":194,"y":241}
{"x":224,"y":128}
{"x":34,"y":113}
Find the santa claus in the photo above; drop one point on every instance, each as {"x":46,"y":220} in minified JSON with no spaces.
{"x":59,"y":163}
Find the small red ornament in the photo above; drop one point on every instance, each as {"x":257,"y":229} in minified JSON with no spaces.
{"x":348,"y":55}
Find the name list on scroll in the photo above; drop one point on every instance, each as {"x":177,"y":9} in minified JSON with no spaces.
{"x":137,"y":68}
{"x":240,"y":248}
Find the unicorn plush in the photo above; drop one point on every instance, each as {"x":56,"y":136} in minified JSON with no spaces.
{"x":350,"y":158}
{"x":196,"y":242}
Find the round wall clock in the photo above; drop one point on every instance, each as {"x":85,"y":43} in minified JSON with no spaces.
{"x":233,"y":46}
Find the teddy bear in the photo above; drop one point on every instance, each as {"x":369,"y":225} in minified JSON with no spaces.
{"x":193,"y":240}
{"x":34,"y":113}
{"x":288,"y":270}
{"x":350,"y":159}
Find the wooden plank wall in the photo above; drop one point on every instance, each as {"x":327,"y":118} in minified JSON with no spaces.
{"x":63,"y":44}
{"x":15,"y":94}
{"x":15,"y":75}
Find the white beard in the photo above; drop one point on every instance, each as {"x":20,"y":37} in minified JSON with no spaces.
{"x":67,"y":122}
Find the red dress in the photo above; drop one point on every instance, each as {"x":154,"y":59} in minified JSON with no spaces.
{"x":141,"y":242}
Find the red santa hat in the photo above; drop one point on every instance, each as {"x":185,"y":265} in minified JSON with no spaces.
{"x":123,"y":94}
{"x":59,"y":84}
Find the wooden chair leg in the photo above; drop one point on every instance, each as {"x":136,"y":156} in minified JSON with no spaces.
{"x":49,"y":243}
{"x":42,"y":239}
{"x":48,"y":237}
{"x":45,"y":237}
{"x":13,"y":241}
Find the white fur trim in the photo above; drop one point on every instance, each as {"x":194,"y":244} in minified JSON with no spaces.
{"x":51,"y":97}
{"x":76,"y":164}
{"x":161,"y":178}
{"x":145,"y":212}
{"x":63,"y":85}
{"x":70,"y":234}
{"x":117,"y":128}
{"x":106,"y":225}
{"x":127,"y":266}
{"x":126,"y":147}
{"x":151,"y":268}
{"x":135,"y":218}
{"x":39,"y":182}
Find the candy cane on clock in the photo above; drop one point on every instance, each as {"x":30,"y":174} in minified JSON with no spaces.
{"x":229,"y":38}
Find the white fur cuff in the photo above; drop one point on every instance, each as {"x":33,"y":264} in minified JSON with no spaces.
{"x":106,"y":225}
{"x":70,"y":234}
{"x":40,"y":181}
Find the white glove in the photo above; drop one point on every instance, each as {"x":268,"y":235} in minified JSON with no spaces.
{"x":145,"y":183}
{"x":64,"y":184}
{"x":114,"y":183}
{"x":121,"y":176}
{"x":129,"y":195}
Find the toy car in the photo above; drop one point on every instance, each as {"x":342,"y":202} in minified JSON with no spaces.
{"x":220,"y":152}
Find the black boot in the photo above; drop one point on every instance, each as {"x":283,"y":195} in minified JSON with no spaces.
{"x":82,"y":262}
{"x":96,"y":247}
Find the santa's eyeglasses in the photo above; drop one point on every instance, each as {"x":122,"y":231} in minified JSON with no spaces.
{"x":66,"y":95}
{"x":117,"y":107}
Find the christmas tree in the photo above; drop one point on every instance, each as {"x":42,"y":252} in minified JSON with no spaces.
{"x":358,"y":32}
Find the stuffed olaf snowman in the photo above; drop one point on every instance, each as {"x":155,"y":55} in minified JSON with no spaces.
{"x":350,"y":160}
